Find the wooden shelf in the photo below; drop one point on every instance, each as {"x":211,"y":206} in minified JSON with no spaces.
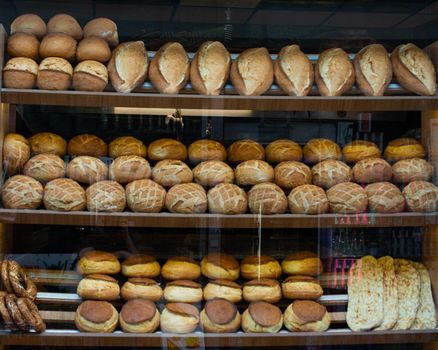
{"x":129,"y":219}
{"x":227,"y":102}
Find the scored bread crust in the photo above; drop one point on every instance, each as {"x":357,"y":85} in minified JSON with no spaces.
{"x":334,"y":72}
{"x":45,"y":167}
{"x":170,"y":68}
{"x":308,"y":199}
{"x":210,"y":68}
{"x":414,"y":70}
{"x":373,"y":70}
{"x":384,"y":197}
{"x":425,"y":317}
{"x":293,"y":71}
{"x":414,"y":169}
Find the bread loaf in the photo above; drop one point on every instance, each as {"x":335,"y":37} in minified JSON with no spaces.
{"x":94,"y":49}
{"x":360,"y":149}
{"x":302,"y":263}
{"x":373,"y":70}
{"x":167,"y":149}
{"x":384,"y":197}
{"x":49,"y":143}
{"x":58,"y":45}
{"x":54,"y":73}
{"x":125,"y":169}
{"x":330,"y":172}
{"x":16,"y":153}
{"x":421,"y":196}
{"x":301,"y":287}
{"x":317,"y":150}
{"x":293,"y":71}
{"x":128,"y":65}
{"x":262,"y":289}
{"x":145,"y":196}
{"x":425,"y":317}
{"x":414,"y":169}
{"x":252,"y":73}
{"x":308,"y":199}
{"x":267,"y":198}
{"x":106,"y":196}
{"x":210,"y":68}
{"x":90,"y":76}
{"x":64,"y":195}
{"x":170,"y":172}
{"x":372,"y":170}
{"x":63,"y":23}
{"x":347,"y":198}
{"x":87,"y":170}
{"x":243,"y":150}
{"x":262,"y":317}
{"x":253,"y":172}
{"x":29,"y":23}
{"x":404,"y":148}
{"x":186,"y":199}
{"x":213,"y":172}
{"x":126,"y":146}
{"x":227,"y":198}
{"x":22,"y":192}
{"x":260,"y":266}
{"x":170,"y":68}
{"x":87,"y":145}
{"x":306,"y":316}
{"x":334,"y":72}
{"x":20,"y":73}
{"x":103,"y":28}
{"x":290,"y":174}
{"x":24,"y":45}
{"x":203,"y":150}
{"x":283,"y":150}
{"x":44,"y":167}
{"x":414,"y":70}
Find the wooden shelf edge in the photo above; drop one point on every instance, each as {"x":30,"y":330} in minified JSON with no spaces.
{"x":129,"y":219}
{"x":227,"y":102}
{"x":335,"y":337}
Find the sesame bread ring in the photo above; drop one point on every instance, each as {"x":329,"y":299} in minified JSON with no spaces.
{"x":6,"y":316}
{"x":20,"y":282}
{"x":40,"y":326}
{"x":11,"y":303}
{"x":31,"y":314}
{"x":5,"y":276}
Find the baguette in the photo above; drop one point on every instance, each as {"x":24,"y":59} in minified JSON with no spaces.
{"x":425,"y":318}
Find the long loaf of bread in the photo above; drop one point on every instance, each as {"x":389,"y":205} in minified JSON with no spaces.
{"x":425,"y":318}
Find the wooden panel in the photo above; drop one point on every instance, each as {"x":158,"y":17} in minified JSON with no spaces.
{"x":3,"y":39}
{"x":129,"y":219}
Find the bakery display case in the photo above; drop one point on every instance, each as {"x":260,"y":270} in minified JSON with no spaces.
{"x":205,"y":174}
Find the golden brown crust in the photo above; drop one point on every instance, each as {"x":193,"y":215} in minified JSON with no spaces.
{"x":58,"y":45}
{"x":404,"y":148}
{"x":90,"y":76}
{"x":145,"y":288}
{"x":227,"y":198}
{"x":184,"y":283}
{"x":126,"y":146}
{"x":372,"y":170}
{"x":223,"y":260}
{"x":252,"y":172}
{"x":63,"y":23}
{"x":138,"y":310}
{"x":179,"y":267}
{"x":291,"y":174}
{"x":96,"y":261}
{"x":145,"y":196}
{"x":263,"y":282}
{"x":300,"y":255}
{"x":330,"y":172}
{"x":301,"y":287}
{"x":23,"y":45}
{"x":220,"y":311}
{"x":16,"y":153}
{"x":183,"y":309}
{"x":45,"y":167}
{"x":167,"y":149}
{"x":243,"y":150}
{"x":213,"y":172}
{"x":171,"y":172}
{"x":317,"y":150}
{"x":87,"y":170}
{"x":103,"y":28}
{"x":101,"y":277}
{"x":308,"y":199}
{"x":225,"y":283}
{"x":308,"y":311}
{"x":138,"y":259}
{"x":87,"y":145}
{"x":360,"y":149}
{"x":283,"y":150}
{"x":49,"y":143}
{"x":125,"y":169}
{"x":264,"y":314}
{"x":384,"y":197}
{"x":93,"y":48}
{"x":267,"y":198}
{"x":421,"y":196}
{"x":106,"y":196}
{"x":414,"y":169}
{"x":54,"y":73}
{"x":98,"y":255}
{"x":204,"y":150}
{"x":186,"y":198}
{"x":29,"y":23}
{"x":257,"y":260}
{"x":96,"y":311}
{"x":22,"y":192}
{"x":143,"y":281}
{"x":347,"y":198}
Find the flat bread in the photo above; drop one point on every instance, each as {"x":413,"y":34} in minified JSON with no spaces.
{"x":365,"y":294}
{"x":408,"y":289}
{"x":426,"y":316}
{"x":390,"y":295}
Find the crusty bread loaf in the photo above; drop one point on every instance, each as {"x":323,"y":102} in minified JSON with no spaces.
{"x":20,"y":73}
{"x":384,"y":197}
{"x":360,"y":149}
{"x":103,"y":28}
{"x":29,"y":23}
{"x":414,"y":70}
{"x":213,"y":172}
{"x":283,"y":150}
{"x":90,"y":76}
{"x":128,"y":65}
{"x":87,"y":145}
{"x":308,"y":199}
{"x":414,"y":169}
{"x":226,"y":198}
{"x":267,"y":198}
{"x":372,"y":170}
{"x":243,"y":150}
{"x":126,"y":146}
{"x":171,"y":172}
{"x":330,"y":172}
{"x":253,"y":172}
{"x":167,"y":149}
{"x":404,"y":148}
{"x":365,"y":295}
{"x":210,"y":68}
{"x":169,"y":69}
{"x":421,"y":196}
{"x":290,"y":174}
{"x":145,"y":196}
{"x":347,"y":198}
{"x":334,"y":72}
{"x":86,"y":169}
{"x":49,"y":143}
{"x":373,"y":70}
{"x":106,"y":196}
{"x":203,"y":150}
{"x":317,"y":150}
{"x":186,"y":199}
{"x":63,"y":23}
{"x":125,"y":169}
{"x":22,"y":192}
{"x":425,"y":317}
{"x":306,"y":316}
{"x":45,"y":167}
{"x":58,"y":45}
{"x":94,"y":49}
{"x":54,"y":73}
{"x":252,"y":73}
{"x":64,"y":195}
{"x":16,"y":153}
{"x":24,"y":45}
{"x":293,"y":71}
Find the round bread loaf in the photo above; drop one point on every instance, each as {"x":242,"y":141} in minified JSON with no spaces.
{"x":404,"y":148}
{"x":64,"y":195}
{"x":213,"y":172}
{"x":126,"y":146}
{"x":171,"y":172}
{"x":347,"y":198}
{"x":94,"y":49}
{"x":106,"y":196}
{"x":203,"y":150}
{"x":183,"y":291}
{"x":421,"y":196}
{"x":414,"y":169}
{"x":262,"y":317}
{"x":96,"y":316}
{"x":144,"y":288}
{"x":243,"y":150}
{"x":262,"y":289}
{"x":227,"y":199}
{"x":252,"y":172}
{"x":54,"y":73}
{"x":384,"y":197}
{"x":103,"y":28}
{"x":360,"y":149}
{"x":301,"y":287}
{"x":90,"y":76}
{"x":220,"y":266}
{"x":29,"y":23}
{"x":225,"y":289}
{"x":141,"y":265}
{"x":98,"y":287}
{"x":186,"y":199}
{"x":283,"y":150}
{"x":291,"y":174}
{"x":96,"y":261}
{"x":22,"y":192}
{"x":179,"y":318}
{"x":20,"y":73}
{"x":58,"y":45}
{"x":260,"y":266}
{"x":167,"y":149}
{"x":331,"y":172}
{"x":306,"y":316}
{"x":317,"y":150}
{"x":267,"y":198}
{"x":125,"y":169}
{"x":302,"y":263}
{"x":49,"y":143}
{"x":181,"y":268}
{"x":87,"y":170}
{"x":308,"y":199}
{"x":87,"y":145}
{"x":16,"y":153}
{"x":372,"y":170}
{"x":139,"y":316}
{"x":63,"y":23}
{"x":220,"y":316}
{"x":145,"y":196}
{"x":24,"y":45}
{"x":44,"y":167}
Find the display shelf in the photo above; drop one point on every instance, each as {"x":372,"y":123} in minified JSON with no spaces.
{"x":222,"y":102}
{"x":129,"y":219}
